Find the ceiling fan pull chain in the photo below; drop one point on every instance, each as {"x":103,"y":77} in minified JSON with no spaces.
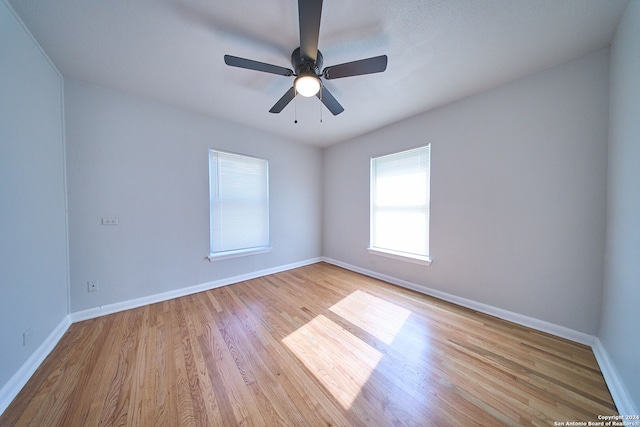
{"x":320,"y":102}
{"x":295,"y":105}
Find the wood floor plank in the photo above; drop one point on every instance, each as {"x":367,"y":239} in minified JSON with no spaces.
{"x":317,"y":345}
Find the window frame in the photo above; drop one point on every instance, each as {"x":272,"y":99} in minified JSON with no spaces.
{"x":220,"y":255}
{"x":422,"y":259}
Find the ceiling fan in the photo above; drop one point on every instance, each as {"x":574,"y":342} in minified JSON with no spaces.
{"x":307,"y":63}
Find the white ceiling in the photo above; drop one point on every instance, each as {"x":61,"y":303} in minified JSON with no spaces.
{"x":172,"y":51}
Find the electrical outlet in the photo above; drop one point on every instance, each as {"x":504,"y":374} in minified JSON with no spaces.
{"x":26,"y":336}
{"x":92,"y":286}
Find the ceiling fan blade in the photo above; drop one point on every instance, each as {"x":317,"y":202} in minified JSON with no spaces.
{"x":282,"y":102}
{"x":330,"y":102}
{"x":309,"y":13}
{"x":250,"y":64}
{"x":376,"y":64}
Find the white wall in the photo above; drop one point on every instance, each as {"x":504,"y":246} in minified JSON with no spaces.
{"x":621,"y":311}
{"x":147,"y":165}
{"x":33,"y":233}
{"x":518,"y":195}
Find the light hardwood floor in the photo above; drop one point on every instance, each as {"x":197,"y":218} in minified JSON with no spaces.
{"x":314,"y":346}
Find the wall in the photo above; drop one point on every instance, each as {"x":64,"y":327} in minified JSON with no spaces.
{"x":33,"y":230}
{"x":621,"y":314}
{"x":146,"y":164}
{"x":518,"y":195}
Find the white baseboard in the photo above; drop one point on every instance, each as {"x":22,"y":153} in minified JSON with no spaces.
{"x":10,"y":390}
{"x":91,"y":313}
{"x":618,"y":391}
{"x":530,"y":322}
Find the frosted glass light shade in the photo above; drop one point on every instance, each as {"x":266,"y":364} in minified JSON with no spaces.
{"x":307,"y":85}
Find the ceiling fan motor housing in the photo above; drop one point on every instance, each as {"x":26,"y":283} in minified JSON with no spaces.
{"x":306,"y":66}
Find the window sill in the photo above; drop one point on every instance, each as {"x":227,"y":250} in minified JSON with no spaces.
{"x":239,"y":253}
{"x":402,"y":256}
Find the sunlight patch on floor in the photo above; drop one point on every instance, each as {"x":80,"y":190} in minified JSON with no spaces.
{"x":324,"y":346}
{"x":378,"y":317}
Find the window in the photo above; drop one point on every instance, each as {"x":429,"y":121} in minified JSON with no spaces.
{"x":239,"y":205}
{"x":400,"y":193}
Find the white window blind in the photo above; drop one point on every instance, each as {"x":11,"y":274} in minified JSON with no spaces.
{"x":400,"y":195}
{"x":239,"y":203}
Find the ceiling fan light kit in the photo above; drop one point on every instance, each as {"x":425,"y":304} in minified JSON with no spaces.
{"x":307,"y":85}
{"x":307,"y":63}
